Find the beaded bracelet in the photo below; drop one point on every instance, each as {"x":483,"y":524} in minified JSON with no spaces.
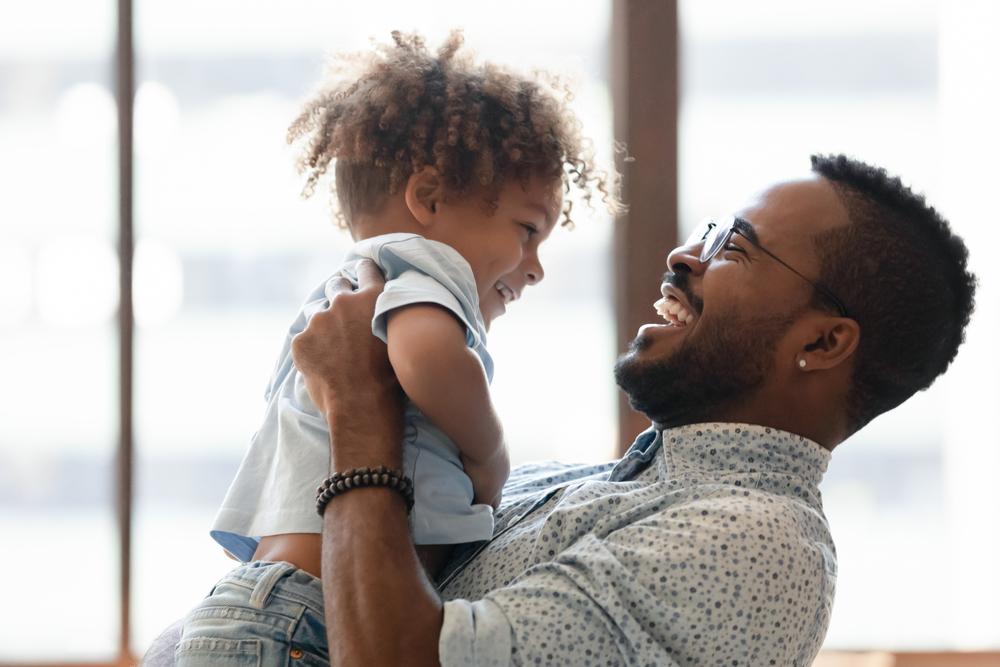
{"x":341,"y":482}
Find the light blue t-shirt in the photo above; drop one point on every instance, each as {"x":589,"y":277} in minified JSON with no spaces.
{"x":274,"y":489}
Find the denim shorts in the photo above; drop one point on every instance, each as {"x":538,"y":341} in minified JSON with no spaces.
{"x":260,"y":614}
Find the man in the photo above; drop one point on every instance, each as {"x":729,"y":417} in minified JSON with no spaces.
{"x":786,"y":328}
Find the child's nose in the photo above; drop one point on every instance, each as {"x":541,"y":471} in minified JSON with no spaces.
{"x":533,"y":271}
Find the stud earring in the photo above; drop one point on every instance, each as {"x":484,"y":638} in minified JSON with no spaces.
{"x":802,"y":363}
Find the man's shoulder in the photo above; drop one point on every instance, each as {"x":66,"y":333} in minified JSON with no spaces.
{"x":752,"y":503}
{"x":530,"y":481}
{"x":542,"y":474}
{"x":720,"y":514}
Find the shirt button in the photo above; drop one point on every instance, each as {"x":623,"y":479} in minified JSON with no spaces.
{"x":296,"y":653}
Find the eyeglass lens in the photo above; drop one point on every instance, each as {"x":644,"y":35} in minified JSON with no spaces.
{"x":712,"y":235}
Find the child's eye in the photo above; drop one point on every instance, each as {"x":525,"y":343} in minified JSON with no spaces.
{"x":532,"y":230}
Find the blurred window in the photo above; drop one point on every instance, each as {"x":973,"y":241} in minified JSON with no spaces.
{"x":58,"y":337}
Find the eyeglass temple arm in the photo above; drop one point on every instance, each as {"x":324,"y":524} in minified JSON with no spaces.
{"x":819,"y":288}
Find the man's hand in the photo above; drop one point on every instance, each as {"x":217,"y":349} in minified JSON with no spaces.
{"x":379,"y":607}
{"x":348,"y":376}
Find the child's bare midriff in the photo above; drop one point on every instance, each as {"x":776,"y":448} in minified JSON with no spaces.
{"x":303,"y":550}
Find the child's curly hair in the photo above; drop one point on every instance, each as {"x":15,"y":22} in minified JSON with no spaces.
{"x":383,"y":115}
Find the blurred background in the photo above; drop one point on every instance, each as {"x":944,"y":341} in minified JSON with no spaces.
{"x":225,"y":250}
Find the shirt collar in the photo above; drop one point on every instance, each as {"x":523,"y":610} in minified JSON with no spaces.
{"x":742,"y":448}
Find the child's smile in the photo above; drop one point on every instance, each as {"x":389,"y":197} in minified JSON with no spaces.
{"x":500,"y":243}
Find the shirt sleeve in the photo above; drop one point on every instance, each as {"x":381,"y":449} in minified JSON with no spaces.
{"x":701,"y":583}
{"x":413,"y":287}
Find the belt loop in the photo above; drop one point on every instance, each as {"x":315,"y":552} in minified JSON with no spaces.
{"x":262,"y":591}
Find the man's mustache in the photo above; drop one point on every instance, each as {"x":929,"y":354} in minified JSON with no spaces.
{"x":680,"y":282}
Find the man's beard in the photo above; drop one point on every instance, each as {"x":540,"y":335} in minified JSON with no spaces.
{"x":703,"y":379}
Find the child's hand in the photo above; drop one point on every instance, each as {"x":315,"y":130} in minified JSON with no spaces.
{"x":488,"y":477}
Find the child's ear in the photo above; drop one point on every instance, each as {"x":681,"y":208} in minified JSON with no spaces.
{"x":424,"y":192}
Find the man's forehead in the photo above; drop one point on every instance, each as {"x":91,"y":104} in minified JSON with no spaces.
{"x":793,"y":212}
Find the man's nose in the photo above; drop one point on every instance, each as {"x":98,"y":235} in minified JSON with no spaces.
{"x":686,"y":259}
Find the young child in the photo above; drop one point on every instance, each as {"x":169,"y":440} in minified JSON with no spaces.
{"x":449,"y":175}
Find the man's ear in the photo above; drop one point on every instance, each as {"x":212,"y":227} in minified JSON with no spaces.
{"x":831,"y":341}
{"x":423,"y":194}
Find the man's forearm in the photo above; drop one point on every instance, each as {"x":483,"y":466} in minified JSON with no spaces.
{"x":380,"y":607}
{"x":381,"y":610}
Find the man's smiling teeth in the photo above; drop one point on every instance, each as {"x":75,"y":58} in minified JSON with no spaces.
{"x":505,"y":292}
{"x":673,"y":312}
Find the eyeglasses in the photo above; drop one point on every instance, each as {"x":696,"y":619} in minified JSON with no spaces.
{"x":715,"y":234}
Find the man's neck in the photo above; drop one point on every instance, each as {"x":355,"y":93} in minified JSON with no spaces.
{"x":807,"y":421}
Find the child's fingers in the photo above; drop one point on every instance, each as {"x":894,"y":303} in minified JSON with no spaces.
{"x":369,"y":276}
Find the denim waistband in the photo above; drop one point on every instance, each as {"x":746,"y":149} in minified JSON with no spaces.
{"x":266,"y":578}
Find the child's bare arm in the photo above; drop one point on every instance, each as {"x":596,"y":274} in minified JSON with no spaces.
{"x":446,"y":381}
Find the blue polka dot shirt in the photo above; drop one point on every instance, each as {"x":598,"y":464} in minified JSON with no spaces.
{"x":705,"y":545}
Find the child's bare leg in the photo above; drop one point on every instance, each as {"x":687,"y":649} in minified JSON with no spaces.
{"x":433,"y":557}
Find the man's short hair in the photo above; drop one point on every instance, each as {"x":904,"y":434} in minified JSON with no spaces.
{"x":902,"y":274}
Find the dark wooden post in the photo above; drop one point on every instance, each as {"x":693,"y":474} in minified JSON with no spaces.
{"x":124,"y":69}
{"x":645,"y":88}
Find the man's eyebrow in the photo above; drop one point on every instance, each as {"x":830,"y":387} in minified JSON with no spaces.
{"x":744,"y":227}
